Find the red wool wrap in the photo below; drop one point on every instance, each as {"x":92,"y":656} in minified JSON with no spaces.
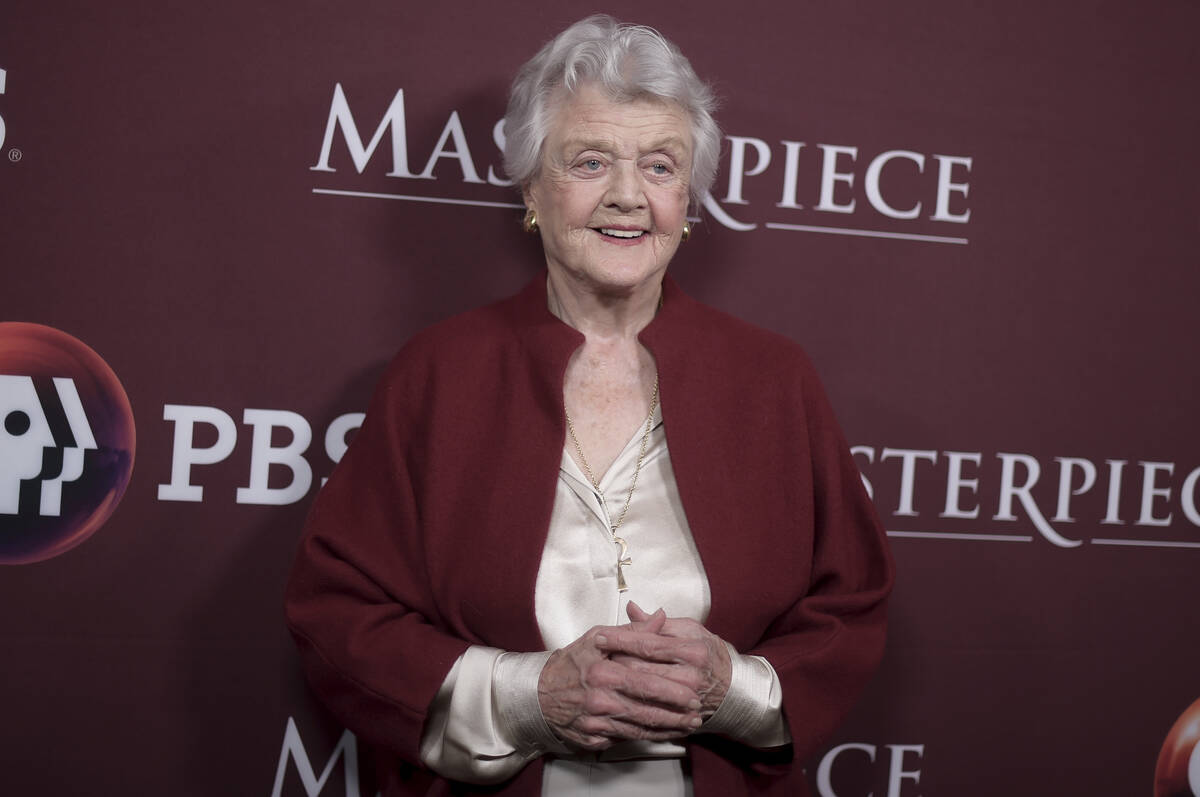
{"x":428,"y":536}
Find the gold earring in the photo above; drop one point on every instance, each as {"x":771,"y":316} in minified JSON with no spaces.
{"x":686,"y":233}
{"x":530,"y":223}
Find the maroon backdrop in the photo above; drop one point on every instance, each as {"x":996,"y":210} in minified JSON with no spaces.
{"x":978,"y":219}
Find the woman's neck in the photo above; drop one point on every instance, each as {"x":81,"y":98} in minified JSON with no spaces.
{"x":600,"y":316}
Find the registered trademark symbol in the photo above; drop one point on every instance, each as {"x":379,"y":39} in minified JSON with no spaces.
{"x":14,"y":155}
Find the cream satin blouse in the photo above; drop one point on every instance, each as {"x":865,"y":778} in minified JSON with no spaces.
{"x":485,"y":723}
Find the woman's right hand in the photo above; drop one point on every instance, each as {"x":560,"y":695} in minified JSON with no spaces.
{"x":592,"y":702}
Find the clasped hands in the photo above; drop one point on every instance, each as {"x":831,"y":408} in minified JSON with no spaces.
{"x":656,"y":678}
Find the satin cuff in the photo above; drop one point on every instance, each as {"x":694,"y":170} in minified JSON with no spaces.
{"x":515,"y":692}
{"x":752,"y":711}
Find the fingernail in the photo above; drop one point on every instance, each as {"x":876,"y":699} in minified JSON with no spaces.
{"x":601,"y":639}
{"x":694,"y":705}
{"x":696,"y":722}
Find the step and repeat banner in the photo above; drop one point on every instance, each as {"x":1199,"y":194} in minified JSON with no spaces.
{"x":218,"y":221}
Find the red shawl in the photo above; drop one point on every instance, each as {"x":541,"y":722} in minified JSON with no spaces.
{"x":428,"y":536}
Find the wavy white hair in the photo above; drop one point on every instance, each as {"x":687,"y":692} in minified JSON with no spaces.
{"x":630,"y":62}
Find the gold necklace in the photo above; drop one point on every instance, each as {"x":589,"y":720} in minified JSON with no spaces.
{"x":623,"y":559}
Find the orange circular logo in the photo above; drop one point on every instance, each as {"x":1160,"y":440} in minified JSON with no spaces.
{"x":66,"y":442}
{"x":1178,"y":770}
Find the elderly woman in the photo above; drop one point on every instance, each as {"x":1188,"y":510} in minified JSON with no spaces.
{"x":597,"y":537}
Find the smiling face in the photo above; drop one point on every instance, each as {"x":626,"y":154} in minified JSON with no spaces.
{"x":611,"y":196}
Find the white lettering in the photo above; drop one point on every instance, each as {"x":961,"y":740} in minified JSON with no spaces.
{"x":718,"y":213}
{"x":340,"y":116}
{"x":791,"y":171}
{"x":869,"y":453}
{"x":1187,"y":497}
{"x":1066,"y":466}
{"x":263,"y":455}
{"x":945,"y":187}
{"x":293,"y":749}
{"x":830,"y":176}
{"x":896,"y":771}
{"x":907,"y":473}
{"x":24,"y":449}
{"x":897,"y":774}
{"x":3,"y":81}
{"x":184,"y":454}
{"x":1150,"y":492}
{"x":737,"y":162}
{"x":1194,"y":769}
{"x":1112,"y":513}
{"x":335,"y":436}
{"x":955,"y":484}
{"x":460,"y":153}
{"x":50,"y":504}
{"x":838,"y":171}
{"x":498,"y":137}
{"x":825,"y":769}
{"x":1009,"y":490}
{"x":72,"y":462}
{"x":875,"y":197}
{"x":72,"y":406}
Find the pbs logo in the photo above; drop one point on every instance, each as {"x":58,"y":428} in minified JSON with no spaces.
{"x":66,"y":442}
{"x":1178,"y":771}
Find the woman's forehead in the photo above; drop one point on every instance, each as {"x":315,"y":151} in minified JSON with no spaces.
{"x":590,"y":117}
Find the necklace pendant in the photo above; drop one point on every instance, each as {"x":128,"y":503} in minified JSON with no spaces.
{"x":623,"y":561}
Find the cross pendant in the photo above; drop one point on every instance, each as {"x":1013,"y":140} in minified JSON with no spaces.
{"x":623,"y":560}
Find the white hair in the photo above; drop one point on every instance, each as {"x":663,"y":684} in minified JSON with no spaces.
{"x":630,"y":62}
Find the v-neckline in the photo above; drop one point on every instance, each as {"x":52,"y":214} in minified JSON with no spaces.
{"x":631,"y":448}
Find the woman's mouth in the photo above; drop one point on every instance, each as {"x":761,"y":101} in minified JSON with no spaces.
{"x":612,"y":232}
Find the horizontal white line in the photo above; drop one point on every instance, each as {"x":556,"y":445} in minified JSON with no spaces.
{"x":940,"y":239}
{"x":944,"y":535}
{"x":438,"y":200}
{"x":1148,"y":543}
{"x":517,"y":206}
{"x":409,"y":198}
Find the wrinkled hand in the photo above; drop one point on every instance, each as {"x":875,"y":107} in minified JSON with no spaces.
{"x":591,"y":701}
{"x":683,"y":651}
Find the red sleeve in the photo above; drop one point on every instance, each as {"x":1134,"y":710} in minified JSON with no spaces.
{"x":826,"y":645}
{"x":831,"y":641}
{"x":359,"y":602}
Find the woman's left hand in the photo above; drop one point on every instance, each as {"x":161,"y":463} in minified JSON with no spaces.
{"x":683,"y":650}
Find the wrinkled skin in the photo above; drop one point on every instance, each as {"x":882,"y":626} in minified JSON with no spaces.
{"x":656,"y":678}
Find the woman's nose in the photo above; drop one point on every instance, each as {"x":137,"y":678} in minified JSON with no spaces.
{"x":625,"y":187}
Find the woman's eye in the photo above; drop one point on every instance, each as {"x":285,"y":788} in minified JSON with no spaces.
{"x":660,"y":168}
{"x":591,"y":164}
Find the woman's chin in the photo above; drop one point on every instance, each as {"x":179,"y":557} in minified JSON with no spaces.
{"x":627,"y":284}
{"x":622,"y":278}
